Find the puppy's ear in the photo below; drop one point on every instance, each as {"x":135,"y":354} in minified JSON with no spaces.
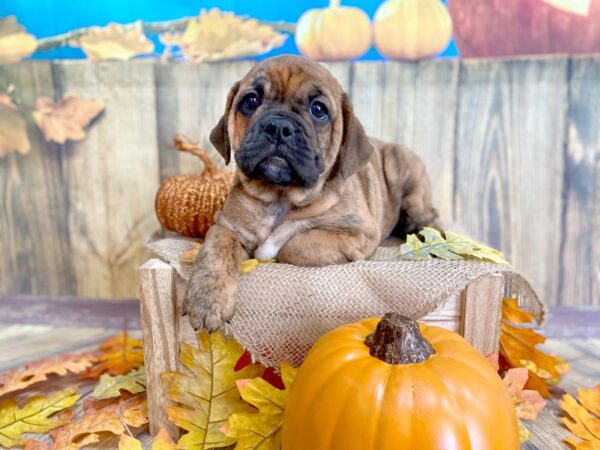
{"x":218,"y":135}
{"x":355,"y":150}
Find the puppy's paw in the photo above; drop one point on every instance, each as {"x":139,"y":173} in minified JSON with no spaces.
{"x":208,"y":302}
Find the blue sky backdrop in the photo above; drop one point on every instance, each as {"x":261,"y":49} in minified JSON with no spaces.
{"x":44,"y":18}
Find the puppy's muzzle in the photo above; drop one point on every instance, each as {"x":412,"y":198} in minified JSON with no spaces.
{"x":278,"y":149}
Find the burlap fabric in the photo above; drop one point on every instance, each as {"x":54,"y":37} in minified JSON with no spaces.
{"x":282,"y":309}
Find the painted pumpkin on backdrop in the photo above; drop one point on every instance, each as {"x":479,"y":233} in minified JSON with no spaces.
{"x":412,"y":29}
{"x":522,"y":27}
{"x":333,"y":33}
{"x":392,"y":384}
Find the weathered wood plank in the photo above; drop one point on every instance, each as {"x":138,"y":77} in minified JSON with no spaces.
{"x":482,"y":310}
{"x":35,"y":255}
{"x":508,"y":186}
{"x":111,"y":176}
{"x":413,"y":105}
{"x":190,"y":101}
{"x":160,"y":320}
{"x":580,"y":235}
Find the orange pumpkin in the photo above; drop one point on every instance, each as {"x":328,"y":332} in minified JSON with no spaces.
{"x":187,"y":204}
{"x":392,"y":384}
{"x":334,"y":33}
{"x":412,"y":29}
{"x":525,"y":27}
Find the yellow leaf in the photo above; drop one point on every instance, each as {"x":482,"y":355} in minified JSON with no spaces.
{"x":584,"y":425}
{"x":13,"y":128}
{"x":261,"y":430}
{"x":590,"y":399}
{"x":111,"y":386}
{"x":207,"y":393}
{"x":17,"y":379}
{"x":163,"y":441}
{"x":118,"y":355}
{"x":34,"y":417}
{"x":249,"y":265}
{"x":115,"y":42}
{"x":518,"y":348}
{"x":127,"y":442}
{"x":107,"y":418}
{"x":65,"y":119}
{"x":429,"y":243}
{"x":217,"y":35}
{"x":15,"y":43}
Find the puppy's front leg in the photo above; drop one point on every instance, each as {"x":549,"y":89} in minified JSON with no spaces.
{"x":209,"y":296}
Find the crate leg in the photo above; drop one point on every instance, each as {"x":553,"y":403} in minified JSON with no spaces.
{"x":482,"y":303}
{"x":160,"y":330}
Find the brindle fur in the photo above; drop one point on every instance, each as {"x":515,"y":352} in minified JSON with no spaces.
{"x":365,"y":190}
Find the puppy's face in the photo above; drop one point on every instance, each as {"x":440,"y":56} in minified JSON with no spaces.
{"x":286,"y":122}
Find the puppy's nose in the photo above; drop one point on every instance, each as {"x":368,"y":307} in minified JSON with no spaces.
{"x":279,"y":128}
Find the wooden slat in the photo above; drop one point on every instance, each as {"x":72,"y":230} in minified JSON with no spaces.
{"x":111,"y":176}
{"x":35,"y":255}
{"x":509,"y":164}
{"x":482,"y":299}
{"x":161,"y":336}
{"x":190,"y":100}
{"x":580,"y":257}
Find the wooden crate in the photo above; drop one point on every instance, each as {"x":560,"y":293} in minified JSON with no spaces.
{"x":474,"y":313}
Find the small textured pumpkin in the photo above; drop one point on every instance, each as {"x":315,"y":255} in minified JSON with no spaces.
{"x":412,"y":29}
{"x":334,"y":33}
{"x":392,"y":384}
{"x":187,"y":204}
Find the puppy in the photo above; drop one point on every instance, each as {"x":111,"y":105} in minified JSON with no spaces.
{"x":311,"y":188}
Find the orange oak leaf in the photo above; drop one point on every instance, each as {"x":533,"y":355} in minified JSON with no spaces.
{"x":15,"y":43}
{"x":518,"y":348}
{"x":117,"y":356}
{"x":65,"y":119}
{"x":110,"y":418}
{"x":17,"y":379}
{"x":583,"y":418}
{"x":114,"y":41}
{"x":13,"y":128}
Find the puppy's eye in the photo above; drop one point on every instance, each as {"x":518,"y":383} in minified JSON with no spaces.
{"x":318,"y":110}
{"x":249,"y":104}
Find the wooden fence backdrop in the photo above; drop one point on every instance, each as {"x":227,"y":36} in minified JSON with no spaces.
{"x":512,"y":146}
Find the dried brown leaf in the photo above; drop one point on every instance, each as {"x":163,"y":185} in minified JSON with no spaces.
{"x":65,"y":119}
{"x":217,"y":35}
{"x":15,"y":43}
{"x":115,"y":41}
{"x":17,"y":379}
{"x":13,"y":128}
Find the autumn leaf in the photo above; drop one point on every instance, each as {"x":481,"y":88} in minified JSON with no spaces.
{"x":217,"y":35}
{"x":162,"y":441}
{"x":250,"y":265}
{"x":189,"y":256}
{"x":261,"y":430}
{"x":518,"y":348}
{"x":13,"y":128}
{"x":429,"y":243}
{"x":114,"y":41}
{"x":528,"y":403}
{"x":111,"y":386}
{"x":109,"y":418}
{"x":118,"y":355}
{"x":17,"y":379}
{"x":65,"y":119}
{"x":583,"y":418}
{"x":207,"y":393}
{"x":34,"y":417}
{"x":15,"y":43}
{"x":127,"y":442}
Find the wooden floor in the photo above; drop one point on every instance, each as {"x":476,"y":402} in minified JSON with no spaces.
{"x":574,"y":334}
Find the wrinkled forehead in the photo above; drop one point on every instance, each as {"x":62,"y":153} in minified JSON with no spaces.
{"x":283,"y":81}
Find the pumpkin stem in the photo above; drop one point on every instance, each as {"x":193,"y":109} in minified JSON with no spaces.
{"x":183,"y":144}
{"x":398,"y":340}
